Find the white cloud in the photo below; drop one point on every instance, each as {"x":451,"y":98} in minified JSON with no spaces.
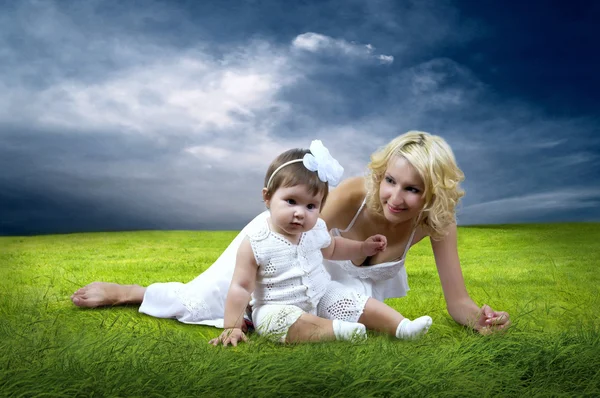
{"x":531,"y":206}
{"x":249,"y":154}
{"x":386,"y":59}
{"x":316,"y":42}
{"x":549,"y":144}
{"x":188,"y":93}
{"x":441,"y":83}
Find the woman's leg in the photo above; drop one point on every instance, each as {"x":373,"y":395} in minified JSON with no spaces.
{"x":98,"y":294}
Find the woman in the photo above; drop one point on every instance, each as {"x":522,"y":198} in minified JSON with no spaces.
{"x":410,"y":192}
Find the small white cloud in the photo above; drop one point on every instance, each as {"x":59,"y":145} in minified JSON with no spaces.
{"x":549,"y":144}
{"x":316,"y":42}
{"x":312,"y":41}
{"x":441,"y":83}
{"x":386,"y":59}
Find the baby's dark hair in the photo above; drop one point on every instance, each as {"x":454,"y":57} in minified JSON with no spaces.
{"x":294,"y":174}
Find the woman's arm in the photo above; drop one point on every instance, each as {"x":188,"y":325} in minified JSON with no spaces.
{"x":460,"y":306}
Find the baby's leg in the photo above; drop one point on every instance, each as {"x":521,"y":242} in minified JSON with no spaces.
{"x":309,"y":328}
{"x":290,"y":324}
{"x":379,"y":316}
{"x":98,"y":294}
{"x":341,"y":302}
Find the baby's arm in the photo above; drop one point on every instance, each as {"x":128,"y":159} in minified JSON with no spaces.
{"x":242,"y":286}
{"x":357,"y":251}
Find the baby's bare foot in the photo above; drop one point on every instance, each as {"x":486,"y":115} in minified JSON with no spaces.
{"x":98,"y":294}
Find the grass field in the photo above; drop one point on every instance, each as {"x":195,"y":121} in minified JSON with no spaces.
{"x":545,"y":276}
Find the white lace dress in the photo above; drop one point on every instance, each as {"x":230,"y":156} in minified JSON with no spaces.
{"x":380,"y":281}
{"x":202,"y":300}
{"x":290,"y":274}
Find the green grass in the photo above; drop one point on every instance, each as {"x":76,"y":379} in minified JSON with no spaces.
{"x":545,"y":276}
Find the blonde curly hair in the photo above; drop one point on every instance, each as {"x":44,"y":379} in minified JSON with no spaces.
{"x":433,"y":159}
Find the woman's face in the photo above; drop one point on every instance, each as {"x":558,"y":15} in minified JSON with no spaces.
{"x":401,"y":191}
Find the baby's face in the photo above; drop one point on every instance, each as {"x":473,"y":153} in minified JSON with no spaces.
{"x":294,"y":210}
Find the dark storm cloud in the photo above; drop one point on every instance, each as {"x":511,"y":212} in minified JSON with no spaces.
{"x":115,"y":116}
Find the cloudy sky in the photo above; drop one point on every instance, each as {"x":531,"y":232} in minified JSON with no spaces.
{"x":165,"y":115}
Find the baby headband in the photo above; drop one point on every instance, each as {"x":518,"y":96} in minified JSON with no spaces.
{"x":320,"y":160}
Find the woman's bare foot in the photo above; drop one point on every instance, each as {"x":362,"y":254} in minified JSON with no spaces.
{"x":98,"y":294}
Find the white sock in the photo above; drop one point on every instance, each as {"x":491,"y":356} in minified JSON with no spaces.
{"x":408,"y":329}
{"x":348,"y":330}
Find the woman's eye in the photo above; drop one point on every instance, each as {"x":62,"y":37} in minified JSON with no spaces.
{"x":291,"y":201}
{"x":413,"y":190}
{"x":389,"y":180}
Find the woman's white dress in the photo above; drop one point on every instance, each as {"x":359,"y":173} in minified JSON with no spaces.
{"x":380,"y":281}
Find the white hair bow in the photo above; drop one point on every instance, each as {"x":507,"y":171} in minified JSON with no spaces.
{"x":320,"y":160}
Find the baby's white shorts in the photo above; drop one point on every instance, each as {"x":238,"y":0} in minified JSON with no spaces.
{"x":274,"y":320}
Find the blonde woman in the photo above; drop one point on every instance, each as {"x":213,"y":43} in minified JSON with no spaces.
{"x":409,"y":193}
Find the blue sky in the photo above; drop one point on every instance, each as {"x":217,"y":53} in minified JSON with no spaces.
{"x":165,"y":114}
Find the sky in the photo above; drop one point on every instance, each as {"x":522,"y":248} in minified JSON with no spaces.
{"x":165,"y":114}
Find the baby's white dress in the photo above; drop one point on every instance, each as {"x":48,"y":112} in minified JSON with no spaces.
{"x":291,"y":280}
{"x":289,"y":274}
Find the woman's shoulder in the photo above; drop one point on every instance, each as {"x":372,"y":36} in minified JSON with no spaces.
{"x":446,"y":237}
{"x":351,"y":191}
{"x":343,"y":202}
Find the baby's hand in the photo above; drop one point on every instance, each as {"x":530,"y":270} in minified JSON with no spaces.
{"x":373,"y":245}
{"x":232,"y":335}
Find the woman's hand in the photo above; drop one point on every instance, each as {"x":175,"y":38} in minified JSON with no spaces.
{"x":231,"y":335}
{"x":490,"y":321}
{"x":373,"y":245}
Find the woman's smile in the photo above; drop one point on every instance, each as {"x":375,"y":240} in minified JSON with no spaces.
{"x":395,"y":209}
